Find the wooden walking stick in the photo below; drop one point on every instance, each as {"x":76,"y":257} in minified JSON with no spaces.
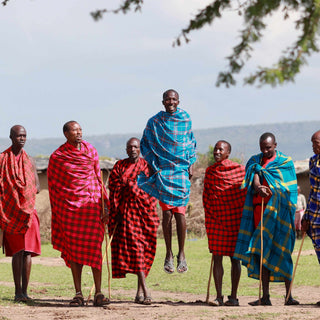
{"x":103,"y":260}
{"x":295,"y":268}
{"x":107,"y":244}
{"x":108,"y":266}
{"x":107,"y":241}
{"x":209,"y":281}
{"x":261,"y":253}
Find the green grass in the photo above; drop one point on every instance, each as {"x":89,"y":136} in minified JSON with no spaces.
{"x":56,"y":281}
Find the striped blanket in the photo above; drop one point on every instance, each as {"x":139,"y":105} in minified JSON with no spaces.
{"x":168,"y":145}
{"x":312,"y":213}
{"x":223,"y":203}
{"x":278,"y":220}
{"x":75,"y":195}
{"x":134,"y":244}
{"x":17,"y":192}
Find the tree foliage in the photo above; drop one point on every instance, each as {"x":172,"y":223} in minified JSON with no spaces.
{"x":254,"y":12}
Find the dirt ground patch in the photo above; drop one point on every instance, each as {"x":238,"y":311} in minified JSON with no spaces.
{"x":166,"y":305}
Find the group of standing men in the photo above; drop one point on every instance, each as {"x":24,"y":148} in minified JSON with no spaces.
{"x":81,"y":208}
{"x":250,"y":216}
{"x":243,"y":207}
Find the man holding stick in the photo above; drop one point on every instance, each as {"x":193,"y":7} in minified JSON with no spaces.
{"x":272,"y":195}
{"x":133,"y":214}
{"x":311,"y":219}
{"x":74,"y":181}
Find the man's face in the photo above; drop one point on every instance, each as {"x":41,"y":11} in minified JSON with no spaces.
{"x":316,"y":143}
{"x":221,"y":151}
{"x":268,"y":147}
{"x":74,"y":134}
{"x":171,"y":101}
{"x":18,"y":137}
{"x":133,"y":149}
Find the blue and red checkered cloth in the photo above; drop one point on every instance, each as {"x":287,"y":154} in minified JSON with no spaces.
{"x":278,"y":219}
{"x":168,"y":145}
{"x":312,"y":214}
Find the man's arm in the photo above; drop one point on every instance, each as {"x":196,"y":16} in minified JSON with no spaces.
{"x":262,"y":190}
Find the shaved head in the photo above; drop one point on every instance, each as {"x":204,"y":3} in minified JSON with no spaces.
{"x":66,"y":126}
{"x":15,"y":129}
{"x":315,"y":139}
{"x":317,"y":133}
{"x":133,"y":139}
{"x":170,"y":90}
{"x":267,"y":135}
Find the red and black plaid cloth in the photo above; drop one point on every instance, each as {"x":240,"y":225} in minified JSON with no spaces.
{"x":134,"y":244}
{"x":74,"y":182}
{"x":17,"y":192}
{"x":223,"y":202}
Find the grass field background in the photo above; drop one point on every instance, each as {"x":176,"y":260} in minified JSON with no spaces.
{"x":56,"y":281}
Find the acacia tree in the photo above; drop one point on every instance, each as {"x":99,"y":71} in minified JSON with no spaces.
{"x":254,"y":13}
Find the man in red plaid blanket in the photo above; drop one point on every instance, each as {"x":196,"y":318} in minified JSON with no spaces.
{"x":134,"y":211}
{"x":223,"y":202}
{"x":19,"y":222}
{"x":77,"y":227}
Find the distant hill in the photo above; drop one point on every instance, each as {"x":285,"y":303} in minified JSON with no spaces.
{"x":293,"y":139}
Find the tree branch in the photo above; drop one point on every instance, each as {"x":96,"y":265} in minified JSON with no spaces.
{"x":124,"y":8}
{"x":290,"y":64}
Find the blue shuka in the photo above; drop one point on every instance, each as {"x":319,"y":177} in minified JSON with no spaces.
{"x":168,"y":145}
{"x":312,"y":213}
{"x":278,"y":220}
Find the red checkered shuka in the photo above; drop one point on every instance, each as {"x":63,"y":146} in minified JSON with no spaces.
{"x":74,"y":182}
{"x":223,"y":202}
{"x":17,"y":192}
{"x":134,"y":244}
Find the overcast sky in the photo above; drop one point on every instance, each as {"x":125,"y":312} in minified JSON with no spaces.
{"x":57,"y":64}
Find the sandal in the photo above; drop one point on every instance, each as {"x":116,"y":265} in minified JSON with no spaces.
{"x":265,"y":301}
{"x":139,"y":299}
{"x":27,"y":297}
{"x":77,"y":301}
{"x":232,"y":302}
{"x":182,"y":265}
{"x":168,"y":266}
{"x":100,"y":300}
{"x":218,"y":302}
{"x":20,"y":298}
{"x":291,"y":302}
{"x":147,"y":300}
